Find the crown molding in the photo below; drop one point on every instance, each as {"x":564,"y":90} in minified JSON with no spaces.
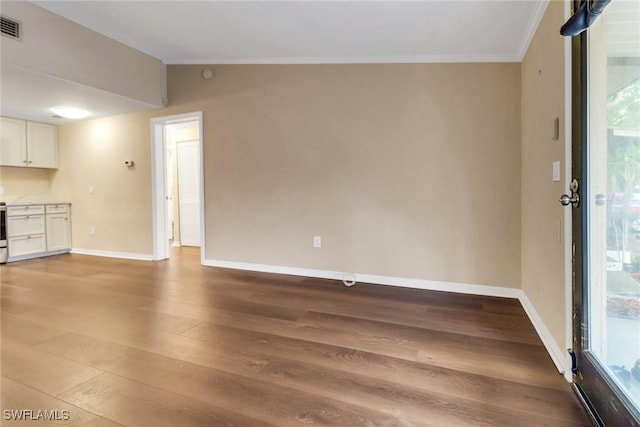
{"x":350,"y":60}
{"x":532,"y":27}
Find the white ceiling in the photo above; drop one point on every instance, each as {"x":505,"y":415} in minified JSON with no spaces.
{"x":228,"y":32}
{"x":262,"y":32}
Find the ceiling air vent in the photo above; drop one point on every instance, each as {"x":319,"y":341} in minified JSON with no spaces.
{"x":10,"y":28}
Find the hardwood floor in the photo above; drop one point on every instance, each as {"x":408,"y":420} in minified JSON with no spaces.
{"x":109,"y":342}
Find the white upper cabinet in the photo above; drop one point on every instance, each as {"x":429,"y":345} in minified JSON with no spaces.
{"x":28,"y":144}
{"x":42,"y":145}
{"x":13,"y":142}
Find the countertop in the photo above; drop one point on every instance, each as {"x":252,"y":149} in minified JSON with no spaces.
{"x":33,"y":200}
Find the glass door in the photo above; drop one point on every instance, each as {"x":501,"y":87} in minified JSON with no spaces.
{"x":607,"y":216}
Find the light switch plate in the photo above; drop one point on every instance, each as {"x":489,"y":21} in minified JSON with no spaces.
{"x":556,"y":172}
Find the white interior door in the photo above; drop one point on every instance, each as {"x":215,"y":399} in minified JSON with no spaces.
{"x":189,"y":192}
{"x":170,"y":190}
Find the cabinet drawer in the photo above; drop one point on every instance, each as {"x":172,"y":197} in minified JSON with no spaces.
{"x":25,"y":225}
{"x":57,"y":209}
{"x":26,"y":245}
{"x":25,"y":210}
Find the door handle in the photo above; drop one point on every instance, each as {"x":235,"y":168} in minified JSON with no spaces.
{"x":601,"y":199}
{"x":566,"y":200}
{"x":574,"y":198}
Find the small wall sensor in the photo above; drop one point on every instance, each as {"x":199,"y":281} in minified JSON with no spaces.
{"x":207,"y":73}
{"x":128,"y":163}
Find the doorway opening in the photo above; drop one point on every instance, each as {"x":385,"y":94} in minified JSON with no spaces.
{"x":177,"y":183}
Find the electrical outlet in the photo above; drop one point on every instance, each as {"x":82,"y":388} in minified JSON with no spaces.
{"x":91,"y":189}
{"x":92,"y":230}
{"x":317,"y":241}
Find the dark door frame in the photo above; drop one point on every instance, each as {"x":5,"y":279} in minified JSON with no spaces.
{"x":599,"y":393}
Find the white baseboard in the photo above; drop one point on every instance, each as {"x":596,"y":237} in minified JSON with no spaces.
{"x":434,"y":285}
{"x":559,"y":357}
{"x":264,"y":268}
{"x":112,"y":254}
{"x":431,"y":285}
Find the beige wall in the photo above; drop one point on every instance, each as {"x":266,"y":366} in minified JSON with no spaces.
{"x":20,"y":182}
{"x":409,"y":170}
{"x":92,"y":153}
{"x":543,"y":98}
{"x":406,"y":170}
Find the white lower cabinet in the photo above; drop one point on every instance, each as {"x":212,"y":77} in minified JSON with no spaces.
{"x":58,"y":232}
{"x":38,"y":230}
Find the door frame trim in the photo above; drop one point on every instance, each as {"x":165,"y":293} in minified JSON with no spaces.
{"x":567,"y":215}
{"x":159,"y":182}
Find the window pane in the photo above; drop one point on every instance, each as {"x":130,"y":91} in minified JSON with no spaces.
{"x":614,"y":194}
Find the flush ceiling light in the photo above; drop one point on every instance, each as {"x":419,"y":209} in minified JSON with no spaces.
{"x":70,"y":112}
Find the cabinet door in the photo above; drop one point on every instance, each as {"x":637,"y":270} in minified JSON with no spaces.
{"x":13,"y":142}
{"x":58,"y":232}
{"x":42,"y":145}
{"x":26,"y":245}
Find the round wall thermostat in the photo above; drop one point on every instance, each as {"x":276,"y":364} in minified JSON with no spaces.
{"x":207,"y":73}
